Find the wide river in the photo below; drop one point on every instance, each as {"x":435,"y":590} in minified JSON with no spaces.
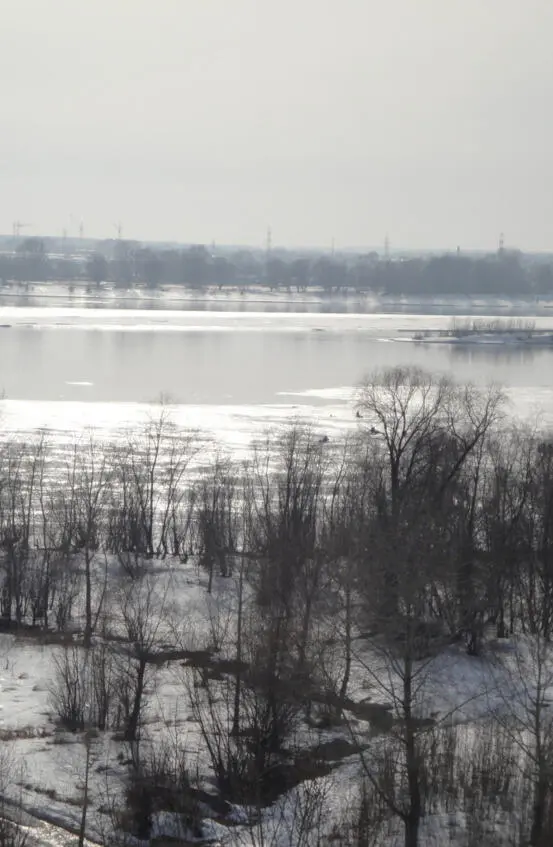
{"x":63,"y":367}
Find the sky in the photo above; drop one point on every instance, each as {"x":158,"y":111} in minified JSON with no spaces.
{"x":429,"y":121}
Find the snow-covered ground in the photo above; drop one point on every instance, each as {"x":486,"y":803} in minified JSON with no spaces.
{"x":50,"y":764}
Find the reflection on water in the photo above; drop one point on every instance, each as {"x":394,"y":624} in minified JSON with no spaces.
{"x":349,"y":303}
{"x":236,"y":304}
{"x":501,"y":355}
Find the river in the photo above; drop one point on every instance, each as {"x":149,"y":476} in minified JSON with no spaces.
{"x":62,"y":367}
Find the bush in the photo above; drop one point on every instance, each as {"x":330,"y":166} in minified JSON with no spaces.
{"x":70,"y":688}
{"x":83,"y":691}
{"x":11,"y":834}
{"x":160,"y":783}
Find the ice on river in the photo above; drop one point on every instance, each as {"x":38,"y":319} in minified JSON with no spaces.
{"x":140,"y":320}
{"x":330,"y":410}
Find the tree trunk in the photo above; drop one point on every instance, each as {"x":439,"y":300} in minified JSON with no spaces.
{"x":412,"y":830}
{"x":413,"y":817}
{"x":347,"y":644}
{"x":88,"y":602}
{"x":238,"y":681}
{"x":82,"y":828}
{"x":538,"y":812}
{"x":501,"y":627}
{"x":134,"y":717}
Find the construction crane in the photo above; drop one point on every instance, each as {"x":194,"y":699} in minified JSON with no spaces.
{"x":17,"y":226}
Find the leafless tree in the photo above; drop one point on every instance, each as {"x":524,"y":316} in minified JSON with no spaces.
{"x":506,"y":497}
{"x":287,"y":498}
{"x":92,"y":484}
{"x":401,"y":652}
{"x":428,"y":428}
{"x":216,"y":519}
{"x":522,"y":706}
{"x":22,"y":464}
{"x":13,"y":831}
{"x":537,"y":588}
{"x":151,"y":496}
{"x":142,"y":610}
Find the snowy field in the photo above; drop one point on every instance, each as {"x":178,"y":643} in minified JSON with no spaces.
{"x":48,"y":764}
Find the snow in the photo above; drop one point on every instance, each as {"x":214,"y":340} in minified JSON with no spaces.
{"x":389,"y":326}
{"x":219,"y":427}
{"x":25,"y":674}
{"x":52,"y":762}
{"x":49,"y":774}
{"x":457,"y":687}
{"x":232,"y":427}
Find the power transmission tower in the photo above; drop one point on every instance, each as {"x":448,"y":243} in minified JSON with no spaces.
{"x":386,"y":248}
{"x":501,"y":246}
{"x":268,"y":248}
{"x":17,"y":226}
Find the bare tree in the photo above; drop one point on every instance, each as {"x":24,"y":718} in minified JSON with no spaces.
{"x":13,"y":829}
{"x":142,"y":610}
{"x":401,"y":650}
{"x":93,"y":481}
{"x":522,"y":706}
{"x":22,"y":468}
{"x":216,"y":519}
{"x":287,"y":500}
{"x":506,"y":498}
{"x":428,"y":428}
{"x":151,"y":496}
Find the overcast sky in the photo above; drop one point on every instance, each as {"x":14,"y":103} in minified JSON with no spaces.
{"x":201,"y":120}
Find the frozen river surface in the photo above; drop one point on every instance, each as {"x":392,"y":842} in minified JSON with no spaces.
{"x":227,"y":372}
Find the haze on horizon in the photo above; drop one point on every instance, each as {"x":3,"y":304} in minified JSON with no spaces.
{"x":196,"y":120}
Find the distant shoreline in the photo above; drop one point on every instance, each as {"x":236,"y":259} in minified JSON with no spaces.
{"x":538,"y":338}
{"x":79,"y":294}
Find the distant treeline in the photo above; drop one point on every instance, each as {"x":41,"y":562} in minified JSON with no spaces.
{"x":126,"y":263}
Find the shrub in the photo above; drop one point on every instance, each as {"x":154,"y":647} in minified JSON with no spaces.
{"x":160,"y":783}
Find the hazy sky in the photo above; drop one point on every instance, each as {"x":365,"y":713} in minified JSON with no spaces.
{"x":430,"y":120}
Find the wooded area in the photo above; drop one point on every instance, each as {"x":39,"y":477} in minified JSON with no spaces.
{"x":429,"y":530}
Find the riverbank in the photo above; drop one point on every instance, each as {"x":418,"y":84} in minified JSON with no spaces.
{"x":178,"y":297}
